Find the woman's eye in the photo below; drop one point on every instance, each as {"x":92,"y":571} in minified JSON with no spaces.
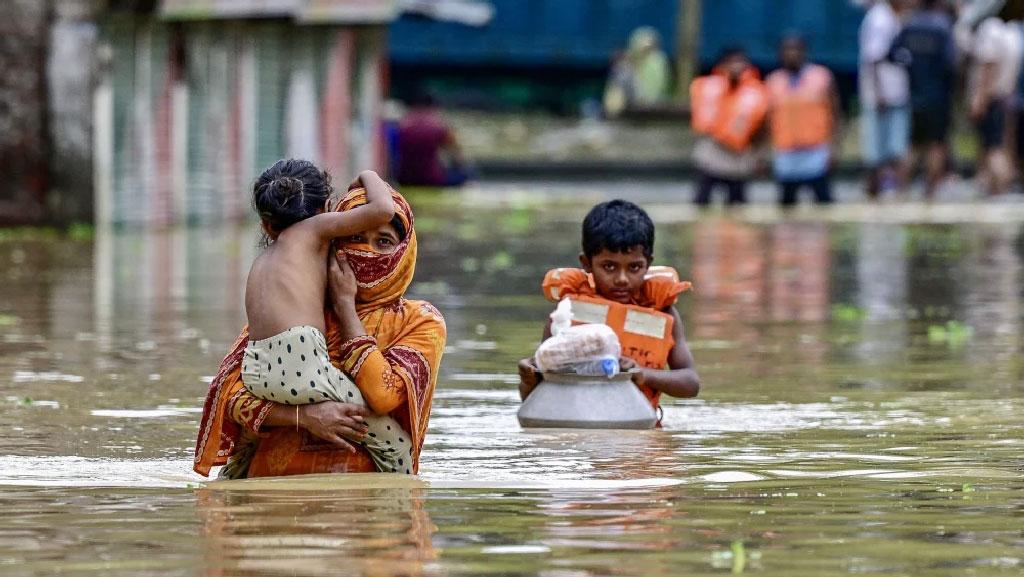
{"x":384,"y":242}
{"x":355,"y":239}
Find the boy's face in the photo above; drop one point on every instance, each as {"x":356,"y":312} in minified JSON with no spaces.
{"x":618,"y":276}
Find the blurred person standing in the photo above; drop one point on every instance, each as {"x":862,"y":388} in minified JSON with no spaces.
{"x":884,"y":99}
{"x":994,"y":47}
{"x":804,"y":121}
{"x":926,"y":47}
{"x":619,"y":89}
{"x":639,"y":76}
{"x":425,"y":143}
{"x":650,"y":66}
{"x":728,"y":112}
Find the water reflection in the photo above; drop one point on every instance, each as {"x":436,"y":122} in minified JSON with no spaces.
{"x":849,"y":421}
{"x":298,"y":530}
{"x":881,"y":275}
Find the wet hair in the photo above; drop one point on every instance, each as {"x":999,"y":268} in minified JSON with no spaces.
{"x":617,"y":226}
{"x":290,"y":191}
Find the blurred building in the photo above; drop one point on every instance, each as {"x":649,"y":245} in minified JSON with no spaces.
{"x":45,"y":48}
{"x":194,"y":97}
{"x":557,"y":53}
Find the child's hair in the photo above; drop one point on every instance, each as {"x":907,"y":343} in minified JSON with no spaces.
{"x":290,"y":191}
{"x":617,"y":226}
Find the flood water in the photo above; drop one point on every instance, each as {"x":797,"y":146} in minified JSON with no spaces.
{"x":861,"y":411}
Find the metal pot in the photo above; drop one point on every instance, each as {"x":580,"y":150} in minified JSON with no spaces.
{"x":568,"y":400}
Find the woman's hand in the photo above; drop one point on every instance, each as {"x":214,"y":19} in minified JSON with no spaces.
{"x":334,"y":422}
{"x":341,"y":280}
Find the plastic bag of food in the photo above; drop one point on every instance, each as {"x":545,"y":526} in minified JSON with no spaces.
{"x":590,"y":349}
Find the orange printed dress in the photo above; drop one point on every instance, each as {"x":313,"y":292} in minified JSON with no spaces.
{"x":644,"y":326}
{"x":395,"y":366}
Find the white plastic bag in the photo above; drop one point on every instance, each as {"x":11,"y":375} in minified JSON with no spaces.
{"x":590,"y":349}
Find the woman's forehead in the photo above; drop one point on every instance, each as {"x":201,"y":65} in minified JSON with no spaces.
{"x":387,"y":229}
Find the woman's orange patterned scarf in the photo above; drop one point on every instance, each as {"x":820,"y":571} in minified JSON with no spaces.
{"x":382,"y":278}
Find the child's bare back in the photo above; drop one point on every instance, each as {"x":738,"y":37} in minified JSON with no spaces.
{"x":286,"y":283}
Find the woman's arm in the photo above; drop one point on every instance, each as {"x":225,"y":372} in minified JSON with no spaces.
{"x":330,"y":420}
{"x":384,"y":377}
{"x":680,"y":379}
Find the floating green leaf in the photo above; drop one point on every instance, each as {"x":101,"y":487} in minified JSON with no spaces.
{"x":953,"y":333}
{"x":846,"y":313}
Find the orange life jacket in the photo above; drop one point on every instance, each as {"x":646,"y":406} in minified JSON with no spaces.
{"x":645,"y":334}
{"x":801,"y":115}
{"x":644,"y":331}
{"x":730,"y":116}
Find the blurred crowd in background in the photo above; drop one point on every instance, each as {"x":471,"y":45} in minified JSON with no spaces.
{"x":146,"y":110}
{"x":915,"y":56}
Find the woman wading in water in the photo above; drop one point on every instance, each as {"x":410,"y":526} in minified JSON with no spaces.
{"x":389,"y":346}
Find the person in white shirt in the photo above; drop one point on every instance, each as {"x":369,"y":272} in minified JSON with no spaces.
{"x":884,"y":98}
{"x":995,"y":48}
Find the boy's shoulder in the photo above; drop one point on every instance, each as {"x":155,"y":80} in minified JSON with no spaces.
{"x":566,"y":282}
{"x":662,"y":286}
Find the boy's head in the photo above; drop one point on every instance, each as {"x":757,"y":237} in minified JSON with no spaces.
{"x":618,"y":247}
{"x":733,"y":62}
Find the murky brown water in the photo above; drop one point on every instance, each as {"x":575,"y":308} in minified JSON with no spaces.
{"x":861,"y":413}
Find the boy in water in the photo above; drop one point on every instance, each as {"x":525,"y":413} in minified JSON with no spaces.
{"x":286,"y":360}
{"x":618,"y":248}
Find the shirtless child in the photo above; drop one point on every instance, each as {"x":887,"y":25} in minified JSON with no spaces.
{"x":286,"y":360}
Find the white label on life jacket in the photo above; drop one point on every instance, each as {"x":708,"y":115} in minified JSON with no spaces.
{"x":592,"y":313}
{"x":645,"y":324}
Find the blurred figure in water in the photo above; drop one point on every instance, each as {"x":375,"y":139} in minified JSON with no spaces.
{"x":995,"y":49}
{"x":804,"y":120}
{"x":728,"y":111}
{"x":926,"y":48}
{"x":650,"y":65}
{"x":428,"y":152}
{"x":884,"y":99}
{"x":639,"y":76}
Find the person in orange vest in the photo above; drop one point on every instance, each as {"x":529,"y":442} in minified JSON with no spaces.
{"x":728,"y":109}
{"x":618,"y":286}
{"x":804,"y":122}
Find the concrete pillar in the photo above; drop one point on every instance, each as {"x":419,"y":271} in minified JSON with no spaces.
{"x":688,"y":32}
{"x":71,"y":71}
{"x":24,"y":146}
